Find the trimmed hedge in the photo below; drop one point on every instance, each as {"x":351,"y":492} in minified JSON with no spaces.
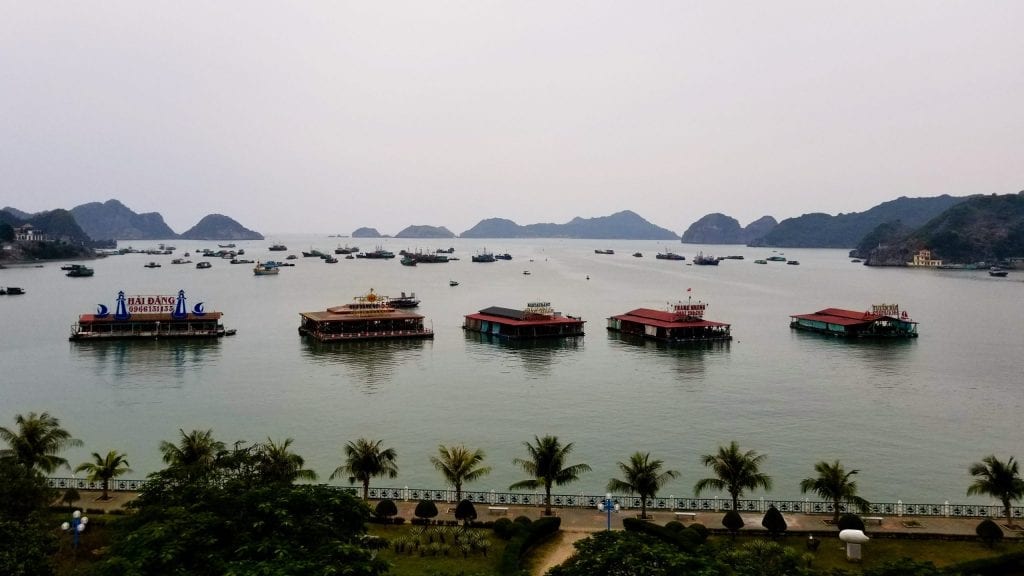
{"x":526,"y":537}
{"x":1006,"y":564}
{"x":686,"y":539}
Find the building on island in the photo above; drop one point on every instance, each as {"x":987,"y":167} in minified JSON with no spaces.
{"x":537,"y":320}
{"x":681,"y":322}
{"x":368,"y":317}
{"x":883,"y":321}
{"x":923,"y":259}
{"x":155,"y":316}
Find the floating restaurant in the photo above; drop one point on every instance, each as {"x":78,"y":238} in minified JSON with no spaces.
{"x":682,"y":322}
{"x":882,"y":321}
{"x":369,"y":317}
{"x":152,"y":316}
{"x":537,"y":320}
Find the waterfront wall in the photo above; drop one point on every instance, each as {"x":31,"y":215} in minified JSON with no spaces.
{"x":670,"y":503}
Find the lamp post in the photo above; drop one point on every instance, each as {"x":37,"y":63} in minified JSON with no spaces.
{"x":76,"y":526}
{"x":607,"y":505}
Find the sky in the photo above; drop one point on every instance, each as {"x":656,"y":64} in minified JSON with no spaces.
{"x":327,"y":116}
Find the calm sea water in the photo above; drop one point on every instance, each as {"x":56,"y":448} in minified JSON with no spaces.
{"x":910,"y":415}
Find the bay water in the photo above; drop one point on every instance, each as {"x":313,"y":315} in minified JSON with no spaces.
{"x":911,"y":415}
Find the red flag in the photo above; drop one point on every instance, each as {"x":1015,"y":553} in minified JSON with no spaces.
{"x":688,"y":289}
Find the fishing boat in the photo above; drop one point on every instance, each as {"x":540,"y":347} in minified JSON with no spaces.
{"x":313,"y":253}
{"x":378,"y":254}
{"x":278,"y":248}
{"x":483,"y":257}
{"x":330,"y":260}
{"x":638,"y":255}
{"x":346,"y":249}
{"x":203,"y":265}
{"x":266,"y":269}
{"x":453,"y":283}
{"x":79,"y":271}
{"x":149,"y":316}
{"x":793,"y":262}
{"x":369,"y":317}
{"x":151,"y":265}
{"x":760,"y":261}
{"x":669,"y":256}
{"x":505,"y":256}
{"x":404,"y":301}
{"x":180,"y":261}
{"x":11,"y":291}
{"x":232,"y":245}
{"x":776,"y":258}
{"x":701,"y":260}
{"x":408,"y":261}
{"x":604,"y":251}
{"x":997,"y":272}
{"x":526,"y":272}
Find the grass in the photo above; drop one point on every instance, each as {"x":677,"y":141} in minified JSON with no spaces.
{"x":832,"y":552}
{"x":412,"y":563}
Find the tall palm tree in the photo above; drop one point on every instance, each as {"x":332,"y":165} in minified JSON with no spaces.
{"x":735,"y":472}
{"x":999,"y":480}
{"x":104,"y":468}
{"x":37,"y":441}
{"x":278,"y":464}
{"x":547,"y":466}
{"x":459,"y":464}
{"x":195,"y":453}
{"x":365,"y":459}
{"x":642,"y":476}
{"x":833,"y":483}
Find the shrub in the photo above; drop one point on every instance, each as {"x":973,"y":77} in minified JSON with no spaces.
{"x":465,"y":511}
{"x":398,"y":520}
{"x":700,"y":530}
{"x":774,"y":522}
{"x":850,"y":522}
{"x":525,"y":539}
{"x":523,"y":520}
{"x":732,"y":521}
{"x":385,"y":509}
{"x":425,"y":510}
{"x":686,"y":540}
{"x":675,"y":526}
{"x":504,"y":528}
{"x":989,"y":532}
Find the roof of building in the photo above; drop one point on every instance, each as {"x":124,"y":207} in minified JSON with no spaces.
{"x":843,"y":317}
{"x":512,"y":317}
{"x":665,"y":319}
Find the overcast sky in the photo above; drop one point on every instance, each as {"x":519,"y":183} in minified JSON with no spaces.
{"x":326,"y":116}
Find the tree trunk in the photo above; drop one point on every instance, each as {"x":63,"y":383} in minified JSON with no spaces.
{"x":643,"y":507}
{"x":1009,"y":512}
{"x":835,"y":517}
{"x":106,"y":484}
{"x":366,"y":490}
{"x":547,"y":500}
{"x":458,"y":492}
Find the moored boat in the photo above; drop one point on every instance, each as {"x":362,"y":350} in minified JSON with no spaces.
{"x":638,"y":255}
{"x":483,"y":257}
{"x":278,"y":248}
{"x":604,"y":251}
{"x":404,"y":301}
{"x":149,"y":316}
{"x":79,"y":271}
{"x":151,"y":265}
{"x":369,"y":317}
{"x":997,"y":272}
{"x":378,"y":254}
{"x":669,"y":256}
{"x":266,"y":269}
{"x":203,"y":265}
{"x":701,"y":260}
{"x":11,"y":291}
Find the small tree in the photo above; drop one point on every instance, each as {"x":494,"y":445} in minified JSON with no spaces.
{"x":385,"y":509}
{"x":105,"y":468}
{"x":425,"y":510}
{"x":774,"y":522}
{"x":850,"y":522}
{"x":989,"y":532}
{"x":69,"y":497}
{"x":465,"y":511}
{"x":732,"y":522}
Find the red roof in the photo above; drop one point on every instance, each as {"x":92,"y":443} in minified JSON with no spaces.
{"x":840,"y":317}
{"x":664,"y":319}
{"x":533,"y":321}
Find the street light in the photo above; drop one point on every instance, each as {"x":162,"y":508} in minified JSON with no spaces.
{"x":607,"y":505}
{"x":77,"y":525}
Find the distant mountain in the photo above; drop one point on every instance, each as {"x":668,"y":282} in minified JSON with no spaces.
{"x":425,"y":232}
{"x":220,"y":227}
{"x":721,"y":229}
{"x":67,"y":238}
{"x":625,"y":225}
{"x":114,"y":220}
{"x":980,"y":229}
{"x":16,"y":213}
{"x":846,"y":230}
{"x":366,"y":233}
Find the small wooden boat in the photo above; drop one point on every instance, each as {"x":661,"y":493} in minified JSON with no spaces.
{"x":151,"y":265}
{"x":997,"y":272}
{"x":11,"y":291}
{"x":453,"y":283}
{"x":203,"y":265}
{"x":638,"y":255}
{"x":793,"y":263}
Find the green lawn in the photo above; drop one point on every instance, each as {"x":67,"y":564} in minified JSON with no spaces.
{"x":424,"y":550}
{"x":832,"y":553}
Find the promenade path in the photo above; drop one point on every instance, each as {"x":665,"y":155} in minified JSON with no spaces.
{"x":577,"y":523}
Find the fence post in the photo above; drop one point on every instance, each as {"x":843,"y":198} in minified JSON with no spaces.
{"x":899,"y":508}
{"x":945,"y":509}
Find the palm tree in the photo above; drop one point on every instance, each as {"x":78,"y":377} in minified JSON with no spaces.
{"x":459,"y":465}
{"x":104,"y":468}
{"x":37,"y":441}
{"x":547,"y":466}
{"x":642,"y":476}
{"x":833,"y":483}
{"x":196,"y":452}
{"x":999,"y":480}
{"x":365,"y":459}
{"x":278,"y":464}
{"x":735,"y":472}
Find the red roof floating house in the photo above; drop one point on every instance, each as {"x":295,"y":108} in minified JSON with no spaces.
{"x":537,"y":320}
{"x":882,"y":321}
{"x":682,"y":322}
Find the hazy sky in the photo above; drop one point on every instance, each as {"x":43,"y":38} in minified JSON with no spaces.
{"x":326,"y":116}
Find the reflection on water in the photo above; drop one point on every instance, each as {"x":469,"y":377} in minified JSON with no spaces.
{"x":536,"y":355}
{"x":113,"y":360}
{"x":885,"y":361}
{"x":685,"y":359}
{"x":368,"y":362}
